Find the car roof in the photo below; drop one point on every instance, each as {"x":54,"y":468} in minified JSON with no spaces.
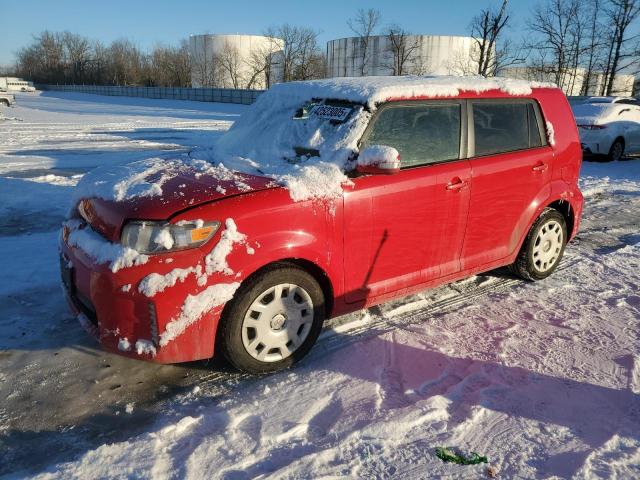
{"x":609,"y":99}
{"x":376,"y":89}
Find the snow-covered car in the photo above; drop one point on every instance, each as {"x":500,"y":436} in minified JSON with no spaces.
{"x":326,"y":197}
{"x":7,"y":99}
{"x":609,"y":126}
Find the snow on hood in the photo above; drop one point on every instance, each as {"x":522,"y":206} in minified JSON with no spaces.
{"x":145,"y":178}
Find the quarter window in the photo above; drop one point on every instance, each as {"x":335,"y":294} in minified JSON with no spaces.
{"x":505,"y":127}
{"x":422,"y":134}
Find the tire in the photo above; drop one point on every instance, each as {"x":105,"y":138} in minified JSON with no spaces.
{"x":543,"y":248}
{"x":4,"y":102}
{"x":268,"y":316}
{"x":616,"y":151}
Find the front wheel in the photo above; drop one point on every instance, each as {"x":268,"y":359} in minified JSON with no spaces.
{"x":273,"y":320}
{"x":543,"y":248}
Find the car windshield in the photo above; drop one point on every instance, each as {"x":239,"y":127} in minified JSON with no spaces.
{"x":278,"y":133}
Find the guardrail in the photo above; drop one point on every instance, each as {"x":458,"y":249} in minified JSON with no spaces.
{"x":220,"y":95}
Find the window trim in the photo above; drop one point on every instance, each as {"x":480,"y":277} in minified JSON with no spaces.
{"x":471,"y":141}
{"x":463,"y":139}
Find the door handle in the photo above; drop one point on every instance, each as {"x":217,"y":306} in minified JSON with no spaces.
{"x":456,"y":184}
{"x":540,"y":167}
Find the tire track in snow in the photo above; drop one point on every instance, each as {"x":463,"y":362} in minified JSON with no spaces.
{"x":332,"y":340}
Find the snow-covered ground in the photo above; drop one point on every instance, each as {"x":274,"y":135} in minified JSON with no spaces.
{"x":542,"y":378}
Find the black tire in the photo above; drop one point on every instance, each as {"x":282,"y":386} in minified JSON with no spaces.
{"x":616,"y":152}
{"x":526,"y":266}
{"x":229,"y":337}
{"x":4,"y":102}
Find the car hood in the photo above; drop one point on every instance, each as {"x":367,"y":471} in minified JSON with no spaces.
{"x":181,"y":191}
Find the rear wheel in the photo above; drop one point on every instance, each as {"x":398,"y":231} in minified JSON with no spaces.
{"x":617,"y":150}
{"x":543,"y":248}
{"x":273,"y":320}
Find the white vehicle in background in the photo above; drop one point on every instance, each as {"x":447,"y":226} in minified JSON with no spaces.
{"x":7,"y":99}
{"x":609,"y":126}
{"x":14,"y":84}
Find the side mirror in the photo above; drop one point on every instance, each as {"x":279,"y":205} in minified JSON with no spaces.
{"x":379,"y":160}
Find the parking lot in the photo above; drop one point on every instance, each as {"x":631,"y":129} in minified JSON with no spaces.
{"x":542,"y":378}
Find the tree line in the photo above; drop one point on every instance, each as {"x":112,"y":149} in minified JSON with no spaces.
{"x":558,"y":38}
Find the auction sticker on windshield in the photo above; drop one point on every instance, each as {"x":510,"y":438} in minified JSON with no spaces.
{"x":331,"y":112}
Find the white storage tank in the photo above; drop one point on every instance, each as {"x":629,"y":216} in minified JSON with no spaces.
{"x":430,"y":55}
{"x":235,"y":61}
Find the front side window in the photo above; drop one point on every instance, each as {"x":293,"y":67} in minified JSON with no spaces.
{"x":421,"y":133}
{"x":505,"y":127}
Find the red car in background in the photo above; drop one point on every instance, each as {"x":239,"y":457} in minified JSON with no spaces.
{"x":332,"y":196}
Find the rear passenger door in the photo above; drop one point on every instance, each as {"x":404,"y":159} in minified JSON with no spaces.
{"x":510,"y":166}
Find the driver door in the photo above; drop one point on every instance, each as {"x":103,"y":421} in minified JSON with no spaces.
{"x":404,"y":229}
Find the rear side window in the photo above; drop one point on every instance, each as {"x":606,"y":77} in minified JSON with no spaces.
{"x":421,"y":133}
{"x":505,"y":127}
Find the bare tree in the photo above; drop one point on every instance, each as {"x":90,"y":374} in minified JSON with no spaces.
{"x":127,"y":63}
{"x":78,"y":55}
{"x":623,"y":48}
{"x":261,"y":63}
{"x":204,"y":72}
{"x":401,"y":48}
{"x":553,"y":25}
{"x":486,"y":30}
{"x":364,"y":25}
{"x":230,"y":63}
{"x":171,"y":66}
{"x":594,"y":43}
{"x":300,"y":52}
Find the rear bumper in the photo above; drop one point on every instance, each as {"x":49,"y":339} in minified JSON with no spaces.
{"x":123,"y":320}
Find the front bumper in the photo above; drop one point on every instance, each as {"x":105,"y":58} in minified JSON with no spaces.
{"x":111,"y":308}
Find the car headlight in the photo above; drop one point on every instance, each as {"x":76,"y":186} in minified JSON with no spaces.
{"x":160,"y":237}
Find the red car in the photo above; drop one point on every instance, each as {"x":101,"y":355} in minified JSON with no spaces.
{"x":324,"y":198}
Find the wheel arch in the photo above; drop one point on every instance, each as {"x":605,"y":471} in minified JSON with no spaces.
{"x":567,"y":211}
{"x":306,"y":265}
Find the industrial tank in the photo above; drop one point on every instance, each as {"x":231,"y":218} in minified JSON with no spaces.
{"x":427,"y":55}
{"x":235,"y":61}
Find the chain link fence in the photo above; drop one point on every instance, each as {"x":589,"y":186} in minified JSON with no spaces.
{"x":220,"y":95}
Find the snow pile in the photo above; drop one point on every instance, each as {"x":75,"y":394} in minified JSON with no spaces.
{"x":101,"y":250}
{"x":145,"y":178}
{"x":123,"y":182}
{"x":197,"y":305}
{"x":380,"y":154}
{"x":124,"y":345}
{"x":216,"y":261}
{"x":145,"y":347}
{"x":154,"y":282}
{"x":164,"y":239}
{"x":551,"y":134}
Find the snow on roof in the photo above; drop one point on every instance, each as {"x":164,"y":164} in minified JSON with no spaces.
{"x":372,"y":90}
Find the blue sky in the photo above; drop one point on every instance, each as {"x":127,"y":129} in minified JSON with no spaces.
{"x":163,"y":21}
